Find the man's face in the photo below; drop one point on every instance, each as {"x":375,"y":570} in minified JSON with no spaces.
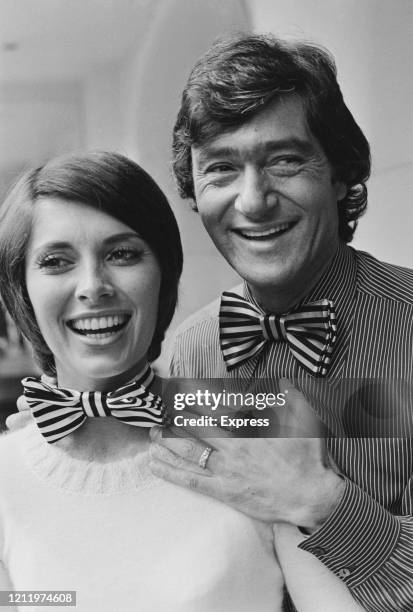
{"x":266,"y":195}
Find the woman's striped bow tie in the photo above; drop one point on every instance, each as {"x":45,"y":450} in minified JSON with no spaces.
{"x":58,"y":412}
{"x":310,"y":332}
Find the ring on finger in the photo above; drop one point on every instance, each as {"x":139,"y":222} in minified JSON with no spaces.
{"x":203,"y":459}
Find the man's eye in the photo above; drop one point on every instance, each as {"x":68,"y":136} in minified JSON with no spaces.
{"x":288,"y":165}
{"x":124,"y":254}
{"x":220,"y":167}
{"x":286,"y":161}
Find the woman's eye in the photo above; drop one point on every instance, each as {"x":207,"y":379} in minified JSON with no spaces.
{"x":53,"y":262}
{"x":124,"y":254}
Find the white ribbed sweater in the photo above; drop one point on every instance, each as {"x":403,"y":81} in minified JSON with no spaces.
{"x":125,"y":540}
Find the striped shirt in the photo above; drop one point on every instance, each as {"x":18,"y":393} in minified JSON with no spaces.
{"x":368,"y":540}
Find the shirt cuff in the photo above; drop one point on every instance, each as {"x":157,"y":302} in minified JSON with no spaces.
{"x":357,"y":538}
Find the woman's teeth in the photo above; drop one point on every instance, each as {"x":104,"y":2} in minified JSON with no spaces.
{"x":101,"y":326}
{"x":255,"y":234}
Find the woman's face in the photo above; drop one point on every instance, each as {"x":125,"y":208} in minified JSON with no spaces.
{"x":94,"y":286}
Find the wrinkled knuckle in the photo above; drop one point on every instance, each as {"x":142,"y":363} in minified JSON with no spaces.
{"x":193,"y":483}
{"x":157,"y":468}
{"x":239,"y":494}
{"x":155,"y":450}
{"x":234,"y":497}
{"x":177,"y":461}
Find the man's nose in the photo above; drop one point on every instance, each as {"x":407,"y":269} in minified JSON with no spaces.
{"x":93,"y":283}
{"x":256,"y":196}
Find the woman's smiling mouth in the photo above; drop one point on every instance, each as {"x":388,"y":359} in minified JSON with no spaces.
{"x":99,"y":327}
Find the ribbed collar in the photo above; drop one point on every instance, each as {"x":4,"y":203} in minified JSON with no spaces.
{"x":60,"y":470}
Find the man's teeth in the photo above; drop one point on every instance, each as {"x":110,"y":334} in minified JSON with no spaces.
{"x":101,"y":324}
{"x":267,"y":233}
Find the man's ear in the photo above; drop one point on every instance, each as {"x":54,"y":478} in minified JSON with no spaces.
{"x":340,"y":189}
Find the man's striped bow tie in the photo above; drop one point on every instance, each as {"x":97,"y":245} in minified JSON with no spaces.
{"x":58,"y":412}
{"x":310,"y":332}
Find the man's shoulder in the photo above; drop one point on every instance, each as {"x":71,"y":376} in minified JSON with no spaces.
{"x":195,"y":348}
{"x":384,"y":280}
{"x":204,"y":317}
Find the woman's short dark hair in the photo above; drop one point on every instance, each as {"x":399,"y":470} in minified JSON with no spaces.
{"x":239,"y":76}
{"x":108,"y":182}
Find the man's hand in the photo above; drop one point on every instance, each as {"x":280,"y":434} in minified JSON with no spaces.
{"x":271,"y":479}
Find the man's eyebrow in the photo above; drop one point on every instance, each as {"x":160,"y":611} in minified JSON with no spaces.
{"x":208,"y":151}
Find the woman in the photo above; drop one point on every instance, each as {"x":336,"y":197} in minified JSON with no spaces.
{"x":90,"y":259}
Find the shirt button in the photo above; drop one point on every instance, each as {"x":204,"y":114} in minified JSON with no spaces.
{"x":319,"y":550}
{"x":344,"y":572}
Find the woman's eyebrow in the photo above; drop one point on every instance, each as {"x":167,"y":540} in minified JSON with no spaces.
{"x":121,"y":236}
{"x":64,"y":244}
{"x":55,"y":244}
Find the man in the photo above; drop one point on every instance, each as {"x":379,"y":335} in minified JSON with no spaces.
{"x":276,"y":165}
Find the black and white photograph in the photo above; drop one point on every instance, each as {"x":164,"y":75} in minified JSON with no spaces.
{"x":206,"y":305}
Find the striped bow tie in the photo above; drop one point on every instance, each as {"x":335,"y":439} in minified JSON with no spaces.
{"x":310,"y":332}
{"x":58,"y":412}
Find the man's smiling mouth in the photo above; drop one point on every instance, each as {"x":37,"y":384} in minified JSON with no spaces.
{"x":99,"y":327}
{"x":265,"y":234}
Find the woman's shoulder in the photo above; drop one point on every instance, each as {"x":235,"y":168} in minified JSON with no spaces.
{"x":9,"y":438}
{"x":10,"y":455}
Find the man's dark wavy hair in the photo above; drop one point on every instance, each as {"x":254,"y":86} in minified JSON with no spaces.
{"x":107,"y":182}
{"x":239,"y":76}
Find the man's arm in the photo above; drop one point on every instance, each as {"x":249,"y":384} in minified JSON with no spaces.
{"x":363,"y":544}
{"x":290,"y":480}
{"x":370,"y":549}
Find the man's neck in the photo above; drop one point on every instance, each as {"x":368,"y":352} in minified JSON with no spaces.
{"x":284,"y":297}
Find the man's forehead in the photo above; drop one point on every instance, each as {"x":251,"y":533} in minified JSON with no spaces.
{"x":262,"y":147}
{"x":280,"y":125}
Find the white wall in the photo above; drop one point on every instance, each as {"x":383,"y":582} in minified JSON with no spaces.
{"x":102,"y":110}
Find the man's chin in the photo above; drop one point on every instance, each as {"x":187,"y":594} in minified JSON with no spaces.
{"x":276,"y":291}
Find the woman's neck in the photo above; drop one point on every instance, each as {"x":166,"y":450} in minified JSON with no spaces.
{"x":106,"y":439}
{"x":72,"y":379}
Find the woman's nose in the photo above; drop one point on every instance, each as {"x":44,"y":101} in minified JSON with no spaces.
{"x":93,"y":284}
{"x":256,"y":196}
